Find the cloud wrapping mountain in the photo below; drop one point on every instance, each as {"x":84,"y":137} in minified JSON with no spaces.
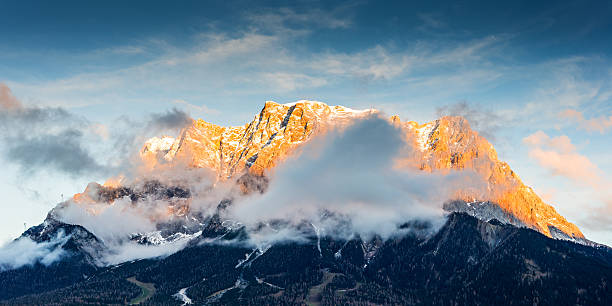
{"x":24,"y":251}
{"x":349,"y":181}
{"x":353,"y":174}
{"x":296,"y":168}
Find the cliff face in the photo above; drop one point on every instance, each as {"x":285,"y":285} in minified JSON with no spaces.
{"x":258,"y":145}
{"x":273,"y":134}
{"x":450,"y":143}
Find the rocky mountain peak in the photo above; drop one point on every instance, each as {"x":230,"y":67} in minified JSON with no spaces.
{"x":256,"y":146}
{"x":450,"y":143}
{"x":445,"y":144}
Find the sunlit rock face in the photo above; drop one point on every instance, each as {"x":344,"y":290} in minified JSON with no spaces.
{"x":450,"y":143}
{"x":259,"y":145}
{"x":275,"y":133}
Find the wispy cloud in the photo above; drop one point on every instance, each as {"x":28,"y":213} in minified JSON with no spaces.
{"x":43,"y":138}
{"x":288,"y":21}
{"x":264,"y":60}
{"x":569,"y":91}
{"x":560,"y":156}
{"x":56,"y":140}
{"x":220,"y":47}
{"x":598,"y":124}
{"x":376,"y":63}
{"x":199,"y":109}
{"x":24,"y":251}
{"x":485,"y":121}
{"x":431,"y":22}
{"x":172,"y":119}
{"x":555,"y":85}
{"x":63,"y":152}
{"x":287,"y":81}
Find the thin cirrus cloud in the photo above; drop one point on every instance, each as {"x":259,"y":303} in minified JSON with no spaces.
{"x":555,"y":84}
{"x":262,"y":60}
{"x":288,"y":21}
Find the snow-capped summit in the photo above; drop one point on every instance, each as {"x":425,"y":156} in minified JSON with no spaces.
{"x":159,"y":147}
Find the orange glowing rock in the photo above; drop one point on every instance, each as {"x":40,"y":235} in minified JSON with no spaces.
{"x":260,"y":144}
{"x":445,"y":144}
{"x":450,"y":143}
{"x":114,"y":182}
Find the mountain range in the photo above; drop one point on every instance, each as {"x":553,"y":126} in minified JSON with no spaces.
{"x":166,"y":231}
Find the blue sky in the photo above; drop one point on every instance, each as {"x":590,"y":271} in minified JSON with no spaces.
{"x":536,"y":77}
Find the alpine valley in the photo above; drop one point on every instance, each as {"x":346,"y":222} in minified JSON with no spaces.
{"x":310,"y":204}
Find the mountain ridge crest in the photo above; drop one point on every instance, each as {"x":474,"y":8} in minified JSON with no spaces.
{"x":275,"y":133}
